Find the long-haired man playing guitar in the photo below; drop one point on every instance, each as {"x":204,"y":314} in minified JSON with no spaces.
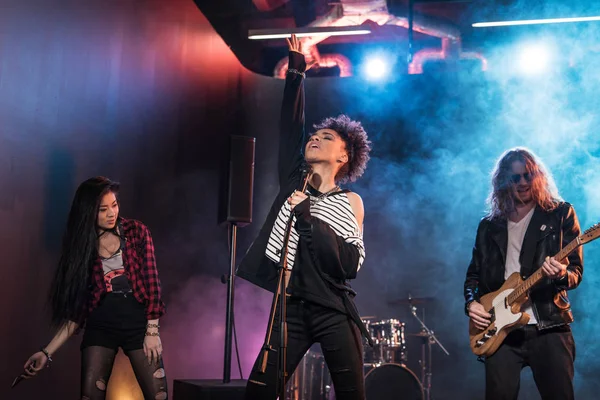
{"x":527,"y":223}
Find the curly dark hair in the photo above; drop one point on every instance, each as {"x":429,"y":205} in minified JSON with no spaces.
{"x":357,"y":145}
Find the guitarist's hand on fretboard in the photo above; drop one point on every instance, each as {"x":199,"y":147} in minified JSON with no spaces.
{"x":554,"y":269}
{"x":478,"y":315}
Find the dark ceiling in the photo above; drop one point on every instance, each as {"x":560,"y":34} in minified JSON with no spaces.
{"x":233,"y":18}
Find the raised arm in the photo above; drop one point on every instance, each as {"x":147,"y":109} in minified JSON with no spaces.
{"x":291,"y":123}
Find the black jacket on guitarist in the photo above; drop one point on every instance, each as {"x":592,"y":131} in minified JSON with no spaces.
{"x":547,"y":233}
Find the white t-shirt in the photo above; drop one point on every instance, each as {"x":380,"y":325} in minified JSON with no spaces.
{"x":516,"y":234}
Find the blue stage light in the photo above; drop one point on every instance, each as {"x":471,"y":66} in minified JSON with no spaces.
{"x":535,"y":58}
{"x":376,"y":68}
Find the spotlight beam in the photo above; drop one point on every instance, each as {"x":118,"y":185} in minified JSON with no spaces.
{"x":535,"y":22}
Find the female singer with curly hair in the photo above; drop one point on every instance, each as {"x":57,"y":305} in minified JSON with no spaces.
{"x":325,"y":246}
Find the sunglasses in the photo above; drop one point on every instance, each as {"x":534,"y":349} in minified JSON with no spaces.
{"x":516,"y":178}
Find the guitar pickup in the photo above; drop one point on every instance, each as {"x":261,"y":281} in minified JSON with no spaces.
{"x":486,"y":337}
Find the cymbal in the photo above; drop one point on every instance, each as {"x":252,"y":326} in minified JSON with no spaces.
{"x":414,"y":300}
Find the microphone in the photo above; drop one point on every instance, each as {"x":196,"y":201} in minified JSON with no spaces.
{"x":306,"y":174}
{"x":17,"y":380}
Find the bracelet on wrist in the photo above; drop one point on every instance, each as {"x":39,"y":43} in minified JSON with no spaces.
{"x":295,"y":71}
{"x":152,"y":333}
{"x":152,"y":326}
{"x":48,"y":356}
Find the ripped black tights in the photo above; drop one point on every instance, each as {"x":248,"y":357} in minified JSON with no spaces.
{"x":96,"y":366}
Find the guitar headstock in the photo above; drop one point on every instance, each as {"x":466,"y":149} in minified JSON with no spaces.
{"x":590,"y":234}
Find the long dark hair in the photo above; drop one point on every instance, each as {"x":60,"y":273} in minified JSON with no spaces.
{"x":69,"y":291}
{"x":501,"y":200}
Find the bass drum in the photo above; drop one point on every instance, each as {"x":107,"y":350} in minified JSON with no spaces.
{"x":311,"y":380}
{"x":392,"y":382}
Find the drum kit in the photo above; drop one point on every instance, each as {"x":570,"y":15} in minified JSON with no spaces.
{"x":387,"y":376}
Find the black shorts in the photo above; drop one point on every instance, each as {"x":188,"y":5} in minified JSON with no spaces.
{"x":118,"y":321}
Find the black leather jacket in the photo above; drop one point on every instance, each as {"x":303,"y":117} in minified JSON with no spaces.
{"x":547,"y":233}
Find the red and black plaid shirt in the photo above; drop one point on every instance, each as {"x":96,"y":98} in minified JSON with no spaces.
{"x":140,"y":269}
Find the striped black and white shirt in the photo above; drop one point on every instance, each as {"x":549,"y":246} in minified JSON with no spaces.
{"x":333,"y":209}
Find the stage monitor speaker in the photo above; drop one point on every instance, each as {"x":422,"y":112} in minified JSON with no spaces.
{"x":208,"y":389}
{"x":237,"y":182}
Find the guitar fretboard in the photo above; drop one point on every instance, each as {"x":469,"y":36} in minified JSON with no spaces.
{"x":538,"y":275}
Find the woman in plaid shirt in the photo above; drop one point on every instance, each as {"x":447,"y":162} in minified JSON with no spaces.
{"x":106,"y":281}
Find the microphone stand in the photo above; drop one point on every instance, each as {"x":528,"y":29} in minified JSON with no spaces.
{"x":279,"y":299}
{"x":426,"y":373}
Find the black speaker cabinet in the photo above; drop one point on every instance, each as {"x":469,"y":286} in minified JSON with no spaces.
{"x":237,"y":182}
{"x":208,"y":389}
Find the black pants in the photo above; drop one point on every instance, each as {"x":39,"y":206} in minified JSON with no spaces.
{"x":340,"y":341}
{"x":550,"y":354}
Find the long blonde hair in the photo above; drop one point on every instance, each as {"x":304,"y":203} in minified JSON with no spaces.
{"x":501,"y":200}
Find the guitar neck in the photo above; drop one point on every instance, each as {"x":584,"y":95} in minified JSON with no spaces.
{"x":538,"y":275}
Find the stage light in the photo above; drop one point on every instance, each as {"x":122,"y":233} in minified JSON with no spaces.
{"x":262,"y":34}
{"x":535,"y":58}
{"x":535,"y":22}
{"x":376,"y":68}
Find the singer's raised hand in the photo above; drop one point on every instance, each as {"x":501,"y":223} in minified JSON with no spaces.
{"x":295,"y":44}
{"x":296,"y":198}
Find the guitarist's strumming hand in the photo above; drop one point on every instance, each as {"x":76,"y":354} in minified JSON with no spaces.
{"x":554,"y":269}
{"x":478,"y":315}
